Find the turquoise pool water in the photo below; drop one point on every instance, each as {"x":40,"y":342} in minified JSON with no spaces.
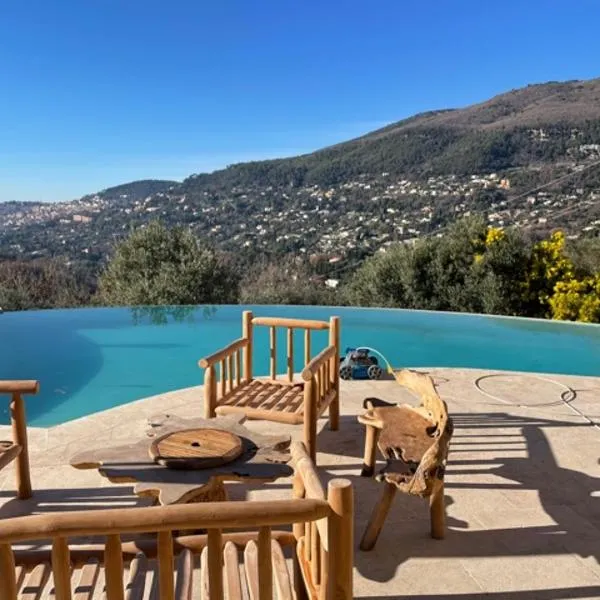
{"x":89,"y":360}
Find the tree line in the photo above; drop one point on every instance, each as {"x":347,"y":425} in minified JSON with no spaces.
{"x":470,"y":268}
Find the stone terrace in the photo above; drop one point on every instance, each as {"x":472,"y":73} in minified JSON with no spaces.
{"x":522,"y":487}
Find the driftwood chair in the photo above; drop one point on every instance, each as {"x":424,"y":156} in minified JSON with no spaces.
{"x":230,"y":387}
{"x":414,"y":442}
{"x":317,"y":538}
{"x":16,"y":449}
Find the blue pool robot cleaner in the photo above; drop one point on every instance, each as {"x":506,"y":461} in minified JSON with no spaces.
{"x":359,"y":363}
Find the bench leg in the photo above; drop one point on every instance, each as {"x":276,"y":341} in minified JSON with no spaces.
{"x":437,"y":512}
{"x":371,"y":435}
{"x":378,"y":516}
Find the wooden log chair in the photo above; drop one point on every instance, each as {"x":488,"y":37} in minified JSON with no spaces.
{"x":230,"y":387}
{"x":414,"y":443}
{"x":16,"y":449}
{"x":296,"y":548}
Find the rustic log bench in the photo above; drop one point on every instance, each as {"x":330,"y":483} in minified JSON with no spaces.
{"x":314,"y":529}
{"x":414,"y":443}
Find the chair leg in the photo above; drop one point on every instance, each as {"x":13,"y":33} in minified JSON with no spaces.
{"x":437,"y":512}
{"x":334,"y":413}
{"x":378,"y":516}
{"x":371,"y":435}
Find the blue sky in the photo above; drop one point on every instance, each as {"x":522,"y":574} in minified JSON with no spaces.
{"x":98,"y":92}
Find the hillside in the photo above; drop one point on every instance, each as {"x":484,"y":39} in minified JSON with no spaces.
{"x":332,"y":207}
{"x":500,"y":133}
{"x":137,"y":190}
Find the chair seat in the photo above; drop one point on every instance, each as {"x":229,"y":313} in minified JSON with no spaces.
{"x":8,"y":452}
{"x":282,"y":402}
{"x":140,"y":577}
{"x":406,"y":436}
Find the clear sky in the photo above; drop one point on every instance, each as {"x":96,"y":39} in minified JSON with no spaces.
{"x":95,"y":93}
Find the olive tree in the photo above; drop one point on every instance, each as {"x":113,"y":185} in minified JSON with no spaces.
{"x":157,"y":265}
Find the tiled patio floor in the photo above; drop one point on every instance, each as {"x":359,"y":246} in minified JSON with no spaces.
{"x":523,"y":486}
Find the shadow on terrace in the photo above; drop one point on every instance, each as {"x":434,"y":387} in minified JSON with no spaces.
{"x":509,"y":459}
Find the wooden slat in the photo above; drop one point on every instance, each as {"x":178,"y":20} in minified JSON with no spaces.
{"x":185,"y":573}
{"x":166,"y":566}
{"x":294,"y":323}
{"x":290,"y":354}
{"x":265,"y":566}
{"x":88,"y":577}
{"x":315,"y":554}
{"x":222,"y":378}
{"x":232,"y":572}
{"x":204,"y":583}
{"x":230,"y":372}
{"x":137,"y":578}
{"x":273,"y":346}
{"x":20,"y":573}
{"x":36,"y":582}
{"x":238,"y":368}
{"x":248,"y":335}
{"x":251,"y":569}
{"x":113,"y":563}
{"x":61,"y":568}
{"x":215,"y":563}
{"x":223,"y":353}
{"x":8,"y":583}
{"x":283,"y":585}
{"x":273,"y":399}
{"x":306,"y":346}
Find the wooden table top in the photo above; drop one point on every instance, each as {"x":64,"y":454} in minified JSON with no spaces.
{"x":263,"y":458}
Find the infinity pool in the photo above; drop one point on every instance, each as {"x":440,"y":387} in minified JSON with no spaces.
{"x":88,"y":360}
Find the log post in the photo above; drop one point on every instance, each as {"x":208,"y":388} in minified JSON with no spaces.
{"x":437,"y":511}
{"x":310,"y":417}
{"x":247,"y":334}
{"x":371,"y":435}
{"x":380,"y":511}
{"x":19,"y":429}
{"x":334,"y":340}
{"x":61,"y":568}
{"x":210,"y":392}
{"x":340,"y":533}
{"x":298,"y":529}
{"x":8,"y":582}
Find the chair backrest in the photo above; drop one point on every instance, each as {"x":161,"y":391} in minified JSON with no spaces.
{"x":319,"y":559}
{"x":432,"y":466}
{"x":249,"y":321}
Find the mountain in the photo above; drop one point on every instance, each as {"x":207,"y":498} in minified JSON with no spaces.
{"x":528,"y":158}
{"x":500,"y":133}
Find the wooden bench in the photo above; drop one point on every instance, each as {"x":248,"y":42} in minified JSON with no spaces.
{"x":230,"y":386}
{"x":16,"y":449}
{"x":318,"y":543}
{"x":414,"y":443}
